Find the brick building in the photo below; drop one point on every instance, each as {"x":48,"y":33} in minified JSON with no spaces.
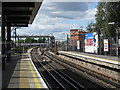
{"x":77,"y":39}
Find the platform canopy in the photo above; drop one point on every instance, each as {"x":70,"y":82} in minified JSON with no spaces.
{"x":20,"y":14}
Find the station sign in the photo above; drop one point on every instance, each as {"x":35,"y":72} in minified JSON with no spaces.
{"x":105,"y":44}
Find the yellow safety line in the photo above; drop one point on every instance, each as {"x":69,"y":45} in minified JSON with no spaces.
{"x":92,"y":57}
{"x":33,"y":74}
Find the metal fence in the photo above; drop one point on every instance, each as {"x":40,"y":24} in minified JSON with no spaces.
{"x":112,"y":46}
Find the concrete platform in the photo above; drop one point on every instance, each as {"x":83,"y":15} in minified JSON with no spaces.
{"x":104,"y":65}
{"x":110,"y":61}
{"x":25,"y":74}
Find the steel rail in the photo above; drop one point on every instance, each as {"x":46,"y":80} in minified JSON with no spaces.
{"x":106,"y":80}
{"x":69,"y":79}
{"x":61,"y":77}
{"x":41,"y":73}
{"x":60,"y":86}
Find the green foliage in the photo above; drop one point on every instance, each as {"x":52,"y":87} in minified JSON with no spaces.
{"x":100,"y":17}
{"x":41,"y":40}
{"x":107,"y":12}
{"x":21,"y":41}
{"x":30,"y":40}
{"x":91,"y":27}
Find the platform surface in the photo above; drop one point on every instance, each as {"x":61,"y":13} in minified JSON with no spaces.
{"x":25,"y":75}
{"x":104,"y":58}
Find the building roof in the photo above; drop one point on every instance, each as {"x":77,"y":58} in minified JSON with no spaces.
{"x":78,"y":30}
{"x":20,"y":14}
{"x":74,"y":29}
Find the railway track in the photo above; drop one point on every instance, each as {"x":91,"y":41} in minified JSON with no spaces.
{"x":53,"y":77}
{"x":66,"y":79}
{"x":51,"y":81}
{"x":105,"y":82}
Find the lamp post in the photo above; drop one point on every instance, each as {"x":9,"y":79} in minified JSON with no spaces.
{"x":78,"y":40}
{"x":81,"y":38}
{"x":67,"y":42}
{"x":15,"y":34}
{"x":117,"y":37}
{"x":99,"y":46}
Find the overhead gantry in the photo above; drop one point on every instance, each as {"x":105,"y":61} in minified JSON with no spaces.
{"x":15,"y":14}
{"x":51,"y":39}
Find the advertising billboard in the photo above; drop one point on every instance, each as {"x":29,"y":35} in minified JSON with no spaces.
{"x":78,"y":44}
{"x":91,"y":42}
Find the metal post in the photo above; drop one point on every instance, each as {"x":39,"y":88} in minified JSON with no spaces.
{"x":18,"y":40}
{"x":67,"y":42}
{"x":3,"y":41}
{"x":84,"y":42}
{"x":99,"y":42}
{"x":117,"y":39}
{"x":15,"y":39}
{"x":50,"y":42}
{"x":117,"y":36}
{"x":110,"y":46}
{"x":79,"y":41}
{"x":118,"y":42}
{"x":8,"y":43}
{"x":74,"y":43}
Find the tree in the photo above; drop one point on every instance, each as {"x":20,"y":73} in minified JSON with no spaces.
{"x":107,"y":12}
{"x":21,"y":41}
{"x":91,"y":27}
{"x":101,"y":17}
{"x":113,"y":15}
{"x":41,"y":40}
{"x":29,"y":40}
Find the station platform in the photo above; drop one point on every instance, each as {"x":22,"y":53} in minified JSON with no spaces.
{"x":110,"y":61}
{"x":105,"y":58}
{"x":21,"y":73}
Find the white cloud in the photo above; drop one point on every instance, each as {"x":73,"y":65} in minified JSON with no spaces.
{"x":90,"y":14}
{"x":47,"y":21}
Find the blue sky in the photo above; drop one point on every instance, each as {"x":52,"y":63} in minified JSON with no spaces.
{"x":56,"y":18}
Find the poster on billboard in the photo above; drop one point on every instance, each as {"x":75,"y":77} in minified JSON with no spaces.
{"x":105,"y":44}
{"x":78,"y":44}
{"x":91,"y":42}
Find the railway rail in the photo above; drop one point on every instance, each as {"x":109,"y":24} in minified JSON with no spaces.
{"x":56,"y":78}
{"x":105,"y":80}
{"x":105,"y":77}
{"x":51,"y":82}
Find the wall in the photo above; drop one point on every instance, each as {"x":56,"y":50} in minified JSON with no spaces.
{"x":77,"y":35}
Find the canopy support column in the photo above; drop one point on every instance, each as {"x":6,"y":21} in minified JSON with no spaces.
{"x":8,"y":43}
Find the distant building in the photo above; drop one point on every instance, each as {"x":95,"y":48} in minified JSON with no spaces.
{"x":77,"y":39}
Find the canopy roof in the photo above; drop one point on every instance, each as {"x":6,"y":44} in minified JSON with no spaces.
{"x":20,"y":14}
